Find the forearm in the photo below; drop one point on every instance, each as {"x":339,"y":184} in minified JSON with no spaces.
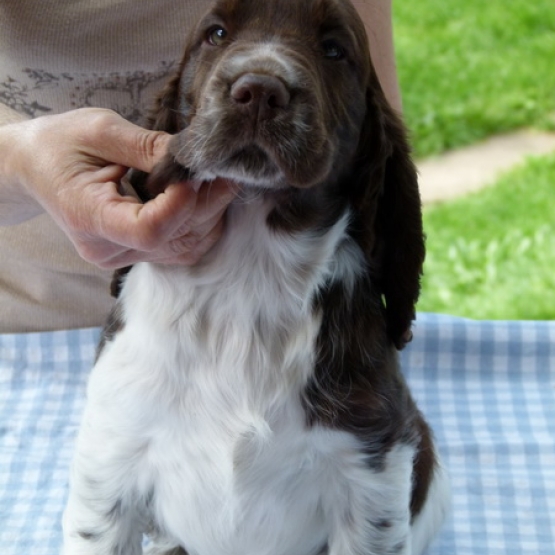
{"x":377,"y":18}
{"x":16,"y":205}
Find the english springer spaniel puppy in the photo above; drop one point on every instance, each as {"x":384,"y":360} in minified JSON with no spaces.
{"x":253,"y":404}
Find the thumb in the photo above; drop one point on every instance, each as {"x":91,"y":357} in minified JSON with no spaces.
{"x":146,"y":148}
{"x":129,"y":145}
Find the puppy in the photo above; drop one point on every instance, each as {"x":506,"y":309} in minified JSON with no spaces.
{"x":253,"y":404}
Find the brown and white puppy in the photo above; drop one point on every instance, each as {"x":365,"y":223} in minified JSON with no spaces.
{"x":253,"y":404}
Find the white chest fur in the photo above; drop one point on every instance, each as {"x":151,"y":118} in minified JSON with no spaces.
{"x":200,"y":392}
{"x":244,"y":318}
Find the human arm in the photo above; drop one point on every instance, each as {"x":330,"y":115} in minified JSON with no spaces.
{"x":69,"y":165}
{"x":377,"y":18}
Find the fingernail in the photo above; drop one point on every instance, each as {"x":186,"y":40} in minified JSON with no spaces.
{"x":196,"y":185}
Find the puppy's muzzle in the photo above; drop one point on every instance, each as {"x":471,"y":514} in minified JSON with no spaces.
{"x":259,"y":96}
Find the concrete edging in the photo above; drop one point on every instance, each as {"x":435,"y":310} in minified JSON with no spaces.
{"x":471,"y":168}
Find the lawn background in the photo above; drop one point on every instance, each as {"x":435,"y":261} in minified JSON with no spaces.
{"x":469,"y":70}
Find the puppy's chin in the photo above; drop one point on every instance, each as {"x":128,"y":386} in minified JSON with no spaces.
{"x":255,"y":164}
{"x":252,"y":167}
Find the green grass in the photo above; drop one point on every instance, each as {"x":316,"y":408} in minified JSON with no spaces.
{"x":491,"y":255}
{"x":472,"y":68}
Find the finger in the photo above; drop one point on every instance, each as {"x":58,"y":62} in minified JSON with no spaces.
{"x":146,"y":227}
{"x":203,"y":220}
{"x":200,"y":230}
{"x":128,"y":257}
{"x":125,"y":224}
{"x":192,"y":256}
{"x":121,"y":260}
{"x":180,"y":250}
{"x":186,"y":250}
{"x":212,"y":199}
{"x":122,"y":142}
{"x":99,"y":252}
{"x":205,"y":244}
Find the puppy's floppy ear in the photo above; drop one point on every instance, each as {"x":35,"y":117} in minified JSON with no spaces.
{"x":169,"y":115}
{"x":166,"y":115}
{"x":390,"y":210}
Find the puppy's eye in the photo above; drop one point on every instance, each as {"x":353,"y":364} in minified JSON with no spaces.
{"x":216,"y":36}
{"x":332,"y":50}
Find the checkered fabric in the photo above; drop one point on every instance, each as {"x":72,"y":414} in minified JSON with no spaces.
{"x":487,"y":388}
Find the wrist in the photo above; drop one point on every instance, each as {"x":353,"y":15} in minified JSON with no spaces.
{"x":17,"y":204}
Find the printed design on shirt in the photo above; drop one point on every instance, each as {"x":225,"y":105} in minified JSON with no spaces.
{"x":125,"y":89}
{"x":17,"y":95}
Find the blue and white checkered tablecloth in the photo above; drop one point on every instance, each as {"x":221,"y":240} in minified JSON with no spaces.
{"x":487,"y":388}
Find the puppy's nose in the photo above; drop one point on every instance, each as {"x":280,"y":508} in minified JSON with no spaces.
{"x":261,"y":96}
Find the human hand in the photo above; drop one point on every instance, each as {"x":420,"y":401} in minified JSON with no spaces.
{"x":70,"y":165}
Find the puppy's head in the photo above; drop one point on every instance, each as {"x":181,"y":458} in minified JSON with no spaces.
{"x":282,"y":95}
{"x":270,"y":94}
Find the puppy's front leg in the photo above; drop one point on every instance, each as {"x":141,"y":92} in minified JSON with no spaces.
{"x":112,"y":533}
{"x":102,"y":515}
{"x":371,"y":511}
{"x":371,"y":538}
